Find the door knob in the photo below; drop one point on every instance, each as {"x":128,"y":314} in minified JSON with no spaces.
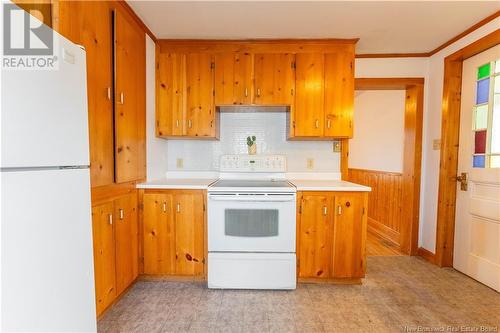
{"x":463,"y":181}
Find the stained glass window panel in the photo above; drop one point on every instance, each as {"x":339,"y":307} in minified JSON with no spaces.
{"x":483,"y":71}
{"x":483,"y":91}
{"x":478,"y":161}
{"x":481,"y":121}
{"x":495,"y":161}
{"x":480,"y":142}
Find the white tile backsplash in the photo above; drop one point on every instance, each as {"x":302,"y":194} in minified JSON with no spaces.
{"x":270,"y":130}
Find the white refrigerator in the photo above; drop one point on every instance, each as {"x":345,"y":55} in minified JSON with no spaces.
{"x":47,"y":275}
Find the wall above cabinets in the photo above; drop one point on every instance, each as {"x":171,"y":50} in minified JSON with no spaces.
{"x":314,"y":79}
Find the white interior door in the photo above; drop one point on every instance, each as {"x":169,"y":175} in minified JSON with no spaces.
{"x":477,"y":223}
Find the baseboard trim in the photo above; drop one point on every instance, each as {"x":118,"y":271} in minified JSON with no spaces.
{"x":427,"y":255}
{"x":330,"y":280}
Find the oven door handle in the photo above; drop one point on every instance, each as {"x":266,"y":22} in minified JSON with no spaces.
{"x":250,"y":198}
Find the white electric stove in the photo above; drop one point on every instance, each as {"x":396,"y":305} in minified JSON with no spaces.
{"x":251,"y":225}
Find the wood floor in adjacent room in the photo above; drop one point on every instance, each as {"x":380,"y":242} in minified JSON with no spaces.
{"x":379,"y":246}
{"x":400,"y":293}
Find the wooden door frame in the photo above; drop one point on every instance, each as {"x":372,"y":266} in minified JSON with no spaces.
{"x":412,"y":152}
{"x":450,"y":131}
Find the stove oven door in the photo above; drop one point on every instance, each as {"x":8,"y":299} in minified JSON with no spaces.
{"x":247,"y":222}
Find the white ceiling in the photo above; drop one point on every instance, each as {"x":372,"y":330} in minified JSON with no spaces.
{"x":383,"y":27}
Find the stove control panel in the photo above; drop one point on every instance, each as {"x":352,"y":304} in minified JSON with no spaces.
{"x":253,"y":163}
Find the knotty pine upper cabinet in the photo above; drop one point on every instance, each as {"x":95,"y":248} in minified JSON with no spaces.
{"x":103,"y":236}
{"x":274,"y":79}
{"x":88,"y":23}
{"x":200,"y":107}
{"x":130,"y":101}
{"x":171,"y":83}
{"x":308,"y":113}
{"x":126,"y":240}
{"x":339,"y":94}
{"x":233,"y":78}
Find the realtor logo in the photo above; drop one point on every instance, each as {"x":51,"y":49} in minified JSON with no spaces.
{"x":27,"y":42}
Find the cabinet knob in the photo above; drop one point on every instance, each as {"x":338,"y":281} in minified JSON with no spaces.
{"x":347,"y":204}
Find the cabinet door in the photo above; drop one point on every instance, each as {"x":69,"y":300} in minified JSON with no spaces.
{"x":126,"y":236}
{"x":349,"y":235}
{"x":274,"y":79}
{"x":339,"y":94}
{"x":233,"y":78}
{"x":200,"y":109}
{"x":171,"y":95}
{"x":189,"y":233}
{"x":159,"y":240}
{"x":129,"y":99}
{"x":308,"y":114}
{"x":315,"y":235}
{"x":104,"y":255}
{"x":88,"y":23}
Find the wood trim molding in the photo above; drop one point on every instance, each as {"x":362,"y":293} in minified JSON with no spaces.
{"x":412,"y":154}
{"x":386,"y":83}
{"x":464,"y":33}
{"x":427,"y":255}
{"x":257,"y":45}
{"x":132,"y":13}
{"x":450,"y":127}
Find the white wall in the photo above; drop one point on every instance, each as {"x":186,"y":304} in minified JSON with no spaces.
{"x":378,"y":139}
{"x":432,"y":130}
{"x":156,"y":149}
{"x":270,"y":130}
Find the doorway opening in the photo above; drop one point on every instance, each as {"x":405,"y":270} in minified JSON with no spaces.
{"x":391,"y":165}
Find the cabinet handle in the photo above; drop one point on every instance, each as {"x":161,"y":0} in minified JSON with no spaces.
{"x":328,"y":123}
{"x":178,"y":208}
{"x":110,"y":219}
{"x":109,"y":93}
{"x":177,"y":123}
{"x":122,"y":98}
{"x":325,"y":210}
{"x":190,"y":123}
{"x":121,"y":213}
{"x":164,"y":207}
{"x":246,"y":92}
{"x":258,"y":92}
{"x":316,"y":123}
{"x":339,"y":210}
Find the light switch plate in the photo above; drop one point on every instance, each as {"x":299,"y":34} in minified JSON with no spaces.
{"x":337,"y":146}
{"x":310,"y":163}
{"x":180,"y":163}
{"x":436,"y":144}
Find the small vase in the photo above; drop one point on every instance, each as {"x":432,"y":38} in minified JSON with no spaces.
{"x":252,"y":150}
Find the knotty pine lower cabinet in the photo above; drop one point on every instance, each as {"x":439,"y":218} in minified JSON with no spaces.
{"x":174,"y":232}
{"x":115,"y":237}
{"x":331,"y":234}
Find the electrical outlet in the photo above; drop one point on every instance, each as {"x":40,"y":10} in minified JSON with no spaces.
{"x":436,"y":144}
{"x":337,"y":146}
{"x":180,"y":163}
{"x":310,"y":163}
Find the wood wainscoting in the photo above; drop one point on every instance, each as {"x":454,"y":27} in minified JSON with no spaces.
{"x":384,"y":210}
